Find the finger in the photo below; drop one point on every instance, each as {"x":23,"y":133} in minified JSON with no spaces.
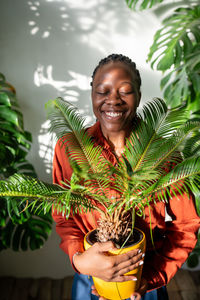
{"x":134,"y":254}
{"x":129,"y":265}
{"x":94,"y":291}
{"x":123,"y":278}
{"x":135,"y":296}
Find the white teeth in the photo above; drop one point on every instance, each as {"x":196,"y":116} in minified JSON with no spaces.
{"x":113,"y":114}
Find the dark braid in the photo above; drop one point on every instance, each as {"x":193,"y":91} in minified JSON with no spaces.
{"x":123,"y":59}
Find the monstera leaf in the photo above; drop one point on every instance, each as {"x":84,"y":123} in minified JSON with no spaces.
{"x":18,"y":230}
{"x":23,"y":232}
{"x":176,"y":39}
{"x":142,"y":4}
{"x":177,"y":46}
{"x":183,"y":82}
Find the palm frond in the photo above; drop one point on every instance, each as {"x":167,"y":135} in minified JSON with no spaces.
{"x":170,"y":148}
{"x":179,"y":180}
{"x":41,"y":196}
{"x":192,"y":146}
{"x":155,"y":124}
{"x":78,"y":144}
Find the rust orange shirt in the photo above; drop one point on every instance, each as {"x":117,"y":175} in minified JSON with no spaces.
{"x":173,"y":239}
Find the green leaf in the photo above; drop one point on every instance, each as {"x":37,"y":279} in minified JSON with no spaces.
{"x":142,"y":4}
{"x":165,"y":80}
{"x":14,"y":146}
{"x":4,"y":99}
{"x":166,"y":61}
{"x":195,"y":80}
{"x":193,"y":260}
{"x":68,"y":125}
{"x":29,"y":234}
{"x":174,"y":41}
{"x":8,"y":114}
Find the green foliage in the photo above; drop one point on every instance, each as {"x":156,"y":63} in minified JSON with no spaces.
{"x":79,"y":145}
{"x":180,"y":33}
{"x":25,"y":232}
{"x":177,"y":46}
{"x":142,"y":4}
{"x":143,"y":176}
{"x":176,"y":52}
{"x":16,"y":231}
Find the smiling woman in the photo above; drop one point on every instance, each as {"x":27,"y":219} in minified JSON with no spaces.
{"x":115,"y":98}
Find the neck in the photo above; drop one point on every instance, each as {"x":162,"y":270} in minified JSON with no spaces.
{"x":116,"y":141}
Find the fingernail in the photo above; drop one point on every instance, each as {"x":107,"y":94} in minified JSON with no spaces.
{"x":134,"y":279}
{"x":139,"y":251}
{"x":141,"y":263}
{"x":143,"y":255}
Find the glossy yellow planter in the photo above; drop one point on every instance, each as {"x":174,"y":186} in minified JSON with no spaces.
{"x":119,"y":290}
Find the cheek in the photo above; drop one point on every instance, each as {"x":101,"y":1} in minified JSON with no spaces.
{"x":97,"y":102}
{"x":133,"y":104}
{"x":95,"y":107}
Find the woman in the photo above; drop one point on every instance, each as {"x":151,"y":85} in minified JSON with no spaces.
{"x":115,"y":98}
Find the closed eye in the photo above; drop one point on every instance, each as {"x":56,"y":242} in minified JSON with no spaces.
{"x":102,"y":93}
{"x":126,"y":93}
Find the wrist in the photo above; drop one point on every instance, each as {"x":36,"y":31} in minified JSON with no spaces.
{"x":74,"y":260}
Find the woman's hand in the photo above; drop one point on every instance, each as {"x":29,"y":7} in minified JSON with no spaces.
{"x":135,"y":296}
{"x":141,"y":291}
{"x":95,"y":262}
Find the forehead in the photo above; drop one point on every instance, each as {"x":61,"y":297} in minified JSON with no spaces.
{"x":114,"y":70}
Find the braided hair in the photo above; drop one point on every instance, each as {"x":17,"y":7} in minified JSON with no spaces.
{"x":119,"y":58}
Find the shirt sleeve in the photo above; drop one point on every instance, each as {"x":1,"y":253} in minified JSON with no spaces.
{"x":179,"y":240}
{"x":68,"y":230}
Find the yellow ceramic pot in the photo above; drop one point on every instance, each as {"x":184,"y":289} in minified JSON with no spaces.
{"x":119,"y":290}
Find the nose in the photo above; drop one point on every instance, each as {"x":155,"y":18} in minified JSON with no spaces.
{"x":113,"y":98}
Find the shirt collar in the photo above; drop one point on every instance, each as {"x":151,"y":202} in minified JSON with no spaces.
{"x":96,"y":132}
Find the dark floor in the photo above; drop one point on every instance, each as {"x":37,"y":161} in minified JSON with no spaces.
{"x":184,"y":286}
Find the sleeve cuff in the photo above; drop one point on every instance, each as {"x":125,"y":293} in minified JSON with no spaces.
{"x":73,"y":248}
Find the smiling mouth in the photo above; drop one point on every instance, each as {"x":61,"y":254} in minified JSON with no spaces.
{"x":113,"y":114}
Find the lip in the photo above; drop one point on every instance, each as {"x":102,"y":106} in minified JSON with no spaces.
{"x":113,"y":115}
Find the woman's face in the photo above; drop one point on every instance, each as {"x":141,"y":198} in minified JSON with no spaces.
{"x":115,"y":97}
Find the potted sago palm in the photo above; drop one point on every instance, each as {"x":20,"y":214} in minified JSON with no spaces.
{"x":151,"y":169}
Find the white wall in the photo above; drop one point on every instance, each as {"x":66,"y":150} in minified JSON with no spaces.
{"x":49,"y":48}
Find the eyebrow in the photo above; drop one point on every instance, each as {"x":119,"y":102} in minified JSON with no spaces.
{"x":129,"y":82}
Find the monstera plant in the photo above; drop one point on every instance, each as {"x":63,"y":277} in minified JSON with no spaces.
{"x":176,"y":52}
{"x":19,"y":229}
